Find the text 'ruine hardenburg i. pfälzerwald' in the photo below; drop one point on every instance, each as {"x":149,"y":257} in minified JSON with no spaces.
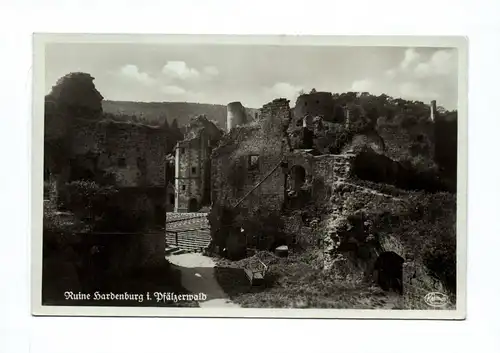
{"x":138,"y":297}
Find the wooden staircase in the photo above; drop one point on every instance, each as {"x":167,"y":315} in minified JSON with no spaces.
{"x":191,"y":240}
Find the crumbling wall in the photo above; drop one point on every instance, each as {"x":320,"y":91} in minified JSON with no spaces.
{"x":321,"y":172}
{"x":351,"y":243}
{"x":134,"y":154}
{"x":249,"y":156}
{"x":315,"y":104}
{"x":333,"y":167}
{"x":369,"y":139}
{"x":367,"y":222}
{"x":236,"y":115}
{"x":369,"y":165}
{"x":188,"y":182}
{"x":193,"y":164}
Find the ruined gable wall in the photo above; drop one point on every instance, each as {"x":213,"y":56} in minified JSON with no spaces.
{"x":133,"y":153}
{"x":231,"y":177}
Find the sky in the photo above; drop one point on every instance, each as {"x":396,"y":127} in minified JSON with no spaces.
{"x":255,"y":75}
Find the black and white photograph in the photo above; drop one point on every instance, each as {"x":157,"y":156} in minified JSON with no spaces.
{"x":249,"y":176}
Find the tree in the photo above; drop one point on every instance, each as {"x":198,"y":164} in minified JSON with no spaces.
{"x":88,"y":200}
{"x":164,"y":123}
{"x":176,"y":131}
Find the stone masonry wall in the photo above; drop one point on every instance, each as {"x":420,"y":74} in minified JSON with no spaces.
{"x":134,"y":154}
{"x":232,"y":173}
{"x":315,"y":104}
{"x":323,"y":171}
{"x":188,"y":180}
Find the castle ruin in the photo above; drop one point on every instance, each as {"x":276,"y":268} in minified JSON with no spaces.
{"x":193,"y":167}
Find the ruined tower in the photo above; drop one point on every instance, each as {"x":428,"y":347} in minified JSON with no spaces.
{"x":433,"y":110}
{"x":236,"y":115}
{"x":192,"y":165}
{"x":315,"y":104}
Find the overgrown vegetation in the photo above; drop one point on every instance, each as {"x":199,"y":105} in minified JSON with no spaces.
{"x":423,"y":224}
{"x":405,"y":127}
{"x":235,"y":231}
{"x":299,"y":282}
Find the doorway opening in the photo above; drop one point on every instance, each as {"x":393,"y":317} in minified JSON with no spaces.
{"x":297,"y":177}
{"x":193,"y":205}
{"x":389,"y":272}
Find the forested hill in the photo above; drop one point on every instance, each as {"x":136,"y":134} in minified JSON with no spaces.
{"x":156,"y":112}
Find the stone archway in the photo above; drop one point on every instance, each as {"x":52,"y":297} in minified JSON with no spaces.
{"x":389,"y":272}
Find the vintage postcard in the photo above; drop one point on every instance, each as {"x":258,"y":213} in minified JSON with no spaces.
{"x":249,"y":176}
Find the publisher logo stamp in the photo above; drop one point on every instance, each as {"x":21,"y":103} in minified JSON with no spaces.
{"x":436,"y":299}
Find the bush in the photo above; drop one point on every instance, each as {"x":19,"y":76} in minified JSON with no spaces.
{"x":87,"y":200}
{"x":126,"y":215}
{"x":105,"y":209}
{"x":264,"y":229}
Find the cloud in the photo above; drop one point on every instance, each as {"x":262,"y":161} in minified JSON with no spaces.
{"x":132,"y":72}
{"x":211,"y":70}
{"x":362,"y":86}
{"x":284,"y":90}
{"x":180,"y":70}
{"x":391,"y":73}
{"x":424,"y":75}
{"x":441,"y":63}
{"x":173,"y":90}
{"x":411,"y":56}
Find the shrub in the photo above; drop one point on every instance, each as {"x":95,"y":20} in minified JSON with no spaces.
{"x":87,"y":200}
{"x":264,"y":229}
{"x":126,"y":213}
{"x":105,"y":209}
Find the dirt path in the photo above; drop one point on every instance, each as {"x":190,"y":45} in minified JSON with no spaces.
{"x":198,"y":276}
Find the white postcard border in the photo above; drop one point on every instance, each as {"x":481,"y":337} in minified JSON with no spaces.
{"x":37,"y":101}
